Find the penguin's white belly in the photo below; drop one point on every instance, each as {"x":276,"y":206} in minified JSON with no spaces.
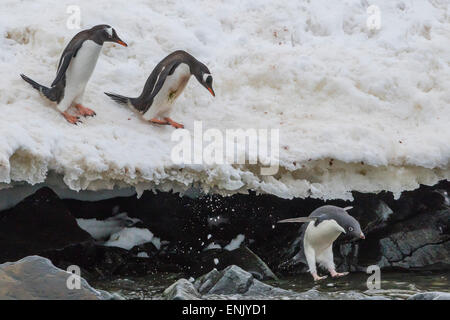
{"x":79,"y":71}
{"x":173,"y":86}
{"x":321,"y":237}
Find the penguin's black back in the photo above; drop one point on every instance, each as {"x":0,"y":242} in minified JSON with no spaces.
{"x":56,"y":91}
{"x":171,"y":61}
{"x":156,"y":79}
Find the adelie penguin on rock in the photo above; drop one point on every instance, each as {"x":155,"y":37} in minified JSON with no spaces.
{"x":324,"y":226}
{"x":164,"y":85}
{"x":75,"y":67}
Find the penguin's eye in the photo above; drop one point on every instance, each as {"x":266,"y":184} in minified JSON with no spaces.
{"x":209,"y":80}
{"x":206,"y":76}
{"x":350,"y":229}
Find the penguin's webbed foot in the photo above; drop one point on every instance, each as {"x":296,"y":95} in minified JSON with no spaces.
{"x":72,"y":119}
{"x":157,"y":121}
{"x":174,"y":124}
{"x":317,"y":277}
{"x":85,"y":112}
{"x":335,"y":274}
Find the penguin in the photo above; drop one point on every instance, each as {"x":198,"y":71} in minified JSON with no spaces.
{"x":324,"y":226}
{"x":75,"y":67}
{"x":164,"y":85}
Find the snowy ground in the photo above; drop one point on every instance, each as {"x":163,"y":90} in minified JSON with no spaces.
{"x":356,"y":109}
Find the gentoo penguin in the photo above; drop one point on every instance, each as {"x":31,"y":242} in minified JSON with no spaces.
{"x":164,"y":85}
{"x":75,"y":67}
{"x":325,"y":224}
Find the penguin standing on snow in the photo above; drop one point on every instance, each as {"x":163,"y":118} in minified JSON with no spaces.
{"x":164,"y":85}
{"x":325,"y":224}
{"x":75,"y":67}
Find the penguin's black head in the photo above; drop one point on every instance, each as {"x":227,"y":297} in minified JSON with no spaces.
{"x":350,"y":225}
{"x":105,"y":33}
{"x":351,"y":228}
{"x":201,"y":72}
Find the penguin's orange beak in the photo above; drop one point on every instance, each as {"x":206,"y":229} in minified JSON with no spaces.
{"x":211,"y":91}
{"x":121,"y":43}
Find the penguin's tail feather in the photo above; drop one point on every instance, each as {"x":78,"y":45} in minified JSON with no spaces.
{"x":47,"y":92}
{"x":120,"y":99}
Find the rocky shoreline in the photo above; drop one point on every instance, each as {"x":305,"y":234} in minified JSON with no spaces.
{"x":194,"y":235}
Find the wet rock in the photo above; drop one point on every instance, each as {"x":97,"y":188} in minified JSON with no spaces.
{"x":238,"y":284}
{"x":35,"y":277}
{"x":242,"y":257}
{"x":181,"y":290}
{"x":431,"y":296}
{"x":231,"y":281}
{"x":418,"y":243}
{"x":204,"y":283}
{"x":39,"y":224}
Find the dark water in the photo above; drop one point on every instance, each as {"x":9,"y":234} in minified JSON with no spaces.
{"x":393,"y":285}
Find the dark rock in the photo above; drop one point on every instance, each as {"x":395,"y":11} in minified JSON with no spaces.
{"x":419,"y":243}
{"x":101,"y":209}
{"x":35,"y":277}
{"x":235,"y":283}
{"x":242,"y":257}
{"x":232,"y":280}
{"x":39,"y":224}
{"x":100,"y":262}
{"x":181,"y":290}
{"x":204,"y":283}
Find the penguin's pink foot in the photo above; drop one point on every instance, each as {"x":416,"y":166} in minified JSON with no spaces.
{"x":174,"y":124}
{"x":335,"y":274}
{"x":72,"y":119}
{"x":85,"y":112}
{"x":157,"y":121}
{"x":317,"y":278}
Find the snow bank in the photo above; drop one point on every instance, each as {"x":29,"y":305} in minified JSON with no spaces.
{"x":357,"y":109}
{"x":103,"y":229}
{"x":119,"y":232}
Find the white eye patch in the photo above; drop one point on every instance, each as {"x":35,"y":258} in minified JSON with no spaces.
{"x":109,"y":30}
{"x":205,"y":76}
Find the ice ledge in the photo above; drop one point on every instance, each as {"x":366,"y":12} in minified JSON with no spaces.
{"x":321,"y":178}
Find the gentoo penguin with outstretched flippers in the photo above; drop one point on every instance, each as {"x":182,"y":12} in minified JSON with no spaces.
{"x":164,"y":85}
{"x":324,"y":226}
{"x":75,"y":67}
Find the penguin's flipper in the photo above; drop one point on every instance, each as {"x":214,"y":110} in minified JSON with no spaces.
{"x":66,"y":57}
{"x":162,"y":78}
{"x":63,"y":65}
{"x":298,"y":220}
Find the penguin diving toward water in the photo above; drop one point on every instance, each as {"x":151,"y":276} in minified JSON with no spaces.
{"x":75,"y":67}
{"x":166,"y":82}
{"x":324,"y":226}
